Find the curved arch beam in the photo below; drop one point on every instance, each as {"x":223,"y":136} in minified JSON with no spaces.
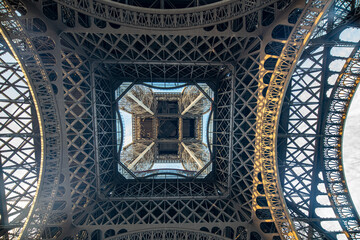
{"x":44,"y":101}
{"x":168,"y":233}
{"x":175,"y":19}
{"x":333,"y":127}
{"x":269,"y":112}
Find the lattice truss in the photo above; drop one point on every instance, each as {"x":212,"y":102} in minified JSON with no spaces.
{"x":196,"y":151}
{"x":139,"y":100}
{"x":201,"y":58}
{"x":300,"y":147}
{"x":138,"y":156}
{"x":46,"y":127}
{"x":193,"y":53}
{"x":340,"y":97}
{"x":86,"y":53}
{"x":132,"y":212}
{"x":195,"y":100}
{"x":19,"y":165}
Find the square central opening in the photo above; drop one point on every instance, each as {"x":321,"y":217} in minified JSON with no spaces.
{"x":164,"y":132}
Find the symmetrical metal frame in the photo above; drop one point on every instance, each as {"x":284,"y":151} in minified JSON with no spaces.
{"x":265,"y":153}
{"x":166,"y":19}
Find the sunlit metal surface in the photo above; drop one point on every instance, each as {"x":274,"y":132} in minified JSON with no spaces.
{"x":86,"y":51}
{"x":299,"y":137}
{"x":269,"y":114}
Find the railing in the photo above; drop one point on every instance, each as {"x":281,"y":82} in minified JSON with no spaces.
{"x":166,"y":18}
{"x":334,"y":176}
{"x":165,"y":171}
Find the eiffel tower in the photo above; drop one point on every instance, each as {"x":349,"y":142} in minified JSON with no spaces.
{"x":175,"y":119}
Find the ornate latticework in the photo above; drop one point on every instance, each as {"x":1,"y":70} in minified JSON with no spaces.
{"x":82,"y":57}
{"x":193,"y":101}
{"x":19,"y":169}
{"x":26,"y":54}
{"x":300,"y":132}
{"x":138,"y":156}
{"x":195,"y":156}
{"x":139,"y":100}
{"x":340,"y":98}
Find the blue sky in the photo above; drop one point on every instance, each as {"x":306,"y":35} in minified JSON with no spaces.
{"x":127,"y":122}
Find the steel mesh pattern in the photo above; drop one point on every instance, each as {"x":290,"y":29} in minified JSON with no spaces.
{"x":234,"y":47}
{"x":78,"y":100}
{"x":19,"y":168}
{"x":299,"y":138}
{"x":168,"y":234}
{"x":31,"y":62}
{"x":153,"y":19}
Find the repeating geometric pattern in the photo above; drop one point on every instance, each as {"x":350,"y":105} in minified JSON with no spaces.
{"x":161,"y":212}
{"x":146,"y":48}
{"x":78,"y":99}
{"x":301,"y":138}
{"x":81,"y":110}
{"x":31,"y":62}
{"x":162,"y":72}
{"x":19,"y":163}
{"x":340,"y":98}
{"x":95,"y":55}
{"x":132,"y":47}
{"x":169,"y":234}
{"x":244,"y":124}
{"x":105,"y":144}
{"x":303,"y":104}
{"x":153,"y":19}
{"x":270,"y":112}
{"x":300,"y":131}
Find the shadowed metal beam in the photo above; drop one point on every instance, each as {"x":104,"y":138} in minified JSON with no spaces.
{"x":192,"y":103}
{"x":198,"y":162}
{"x":140,"y":103}
{"x":133,"y":163}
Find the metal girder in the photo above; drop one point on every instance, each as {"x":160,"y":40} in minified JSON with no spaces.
{"x":136,"y":160}
{"x":332,"y":132}
{"x":4,"y":221}
{"x":166,"y":19}
{"x":175,"y":234}
{"x":140,"y":103}
{"x":192,"y":104}
{"x":32,"y":67}
{"x":314,"y":223}
{"x":98,"y":198}
{"x":270,"y":112}
{"x":307,"y":104}
{"x":198,"y":162}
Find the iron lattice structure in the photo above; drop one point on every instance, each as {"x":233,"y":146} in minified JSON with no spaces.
{"x":276,"y":152}
{"x":159,"y":133}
